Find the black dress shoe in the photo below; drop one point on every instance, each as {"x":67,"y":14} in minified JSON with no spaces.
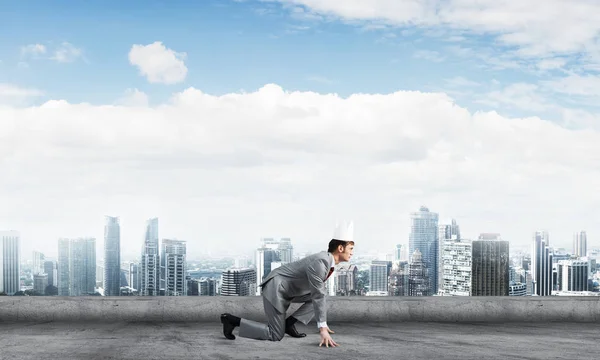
{"x":227,"y":326}
{"x":291,"y":331}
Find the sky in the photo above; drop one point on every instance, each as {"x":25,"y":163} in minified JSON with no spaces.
{"x":234,"y":120}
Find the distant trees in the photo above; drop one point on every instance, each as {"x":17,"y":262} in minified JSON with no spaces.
{"x":51,"y":290}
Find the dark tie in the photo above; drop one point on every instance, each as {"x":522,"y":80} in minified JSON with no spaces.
{"x":328,"y":275}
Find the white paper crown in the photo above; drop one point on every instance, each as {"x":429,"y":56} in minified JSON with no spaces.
{"x":344,"y":231}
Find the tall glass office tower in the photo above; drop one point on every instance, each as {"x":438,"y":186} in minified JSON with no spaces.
{"x":424,"y":237}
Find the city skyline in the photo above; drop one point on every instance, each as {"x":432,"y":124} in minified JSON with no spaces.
{"x":236,"y":120}
{"x":50,"y":250}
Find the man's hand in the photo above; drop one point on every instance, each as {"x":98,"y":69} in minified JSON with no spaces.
{"x":326,"y":338}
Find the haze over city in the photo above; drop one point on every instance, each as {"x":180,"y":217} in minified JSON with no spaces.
{"x":232,"y":121}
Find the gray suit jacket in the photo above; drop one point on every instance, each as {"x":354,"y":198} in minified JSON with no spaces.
{"x":302,"y":278}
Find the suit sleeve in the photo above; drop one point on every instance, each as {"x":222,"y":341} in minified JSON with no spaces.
{"x":316,"y":272}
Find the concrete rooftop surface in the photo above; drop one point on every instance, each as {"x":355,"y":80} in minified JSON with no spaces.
{"x":366,"y":327}
{"x":411,"y":340}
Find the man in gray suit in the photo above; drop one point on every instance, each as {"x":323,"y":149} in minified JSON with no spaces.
{"x":302,"y":281}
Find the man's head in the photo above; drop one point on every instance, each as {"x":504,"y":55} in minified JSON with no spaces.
{"x":341,"y":250}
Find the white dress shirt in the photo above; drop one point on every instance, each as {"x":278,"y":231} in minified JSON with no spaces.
{"x":331,"y":264}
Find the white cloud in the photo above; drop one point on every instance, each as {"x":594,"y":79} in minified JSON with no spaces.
{"x":429,"y":55}
{"x":574,"y":84}
{"x":230,"y":169}
{"x":536,"y":27}
{"x":459,"y":82}
{"x":320,"y":79}
{"x":15,"y":95}
{"x":521,"y":96}
{"x":158,"y":63}
{"x":551,"y":64}
{"x":134,"y":98}
{"x":33,"y":49}
{"x":67,"y":53}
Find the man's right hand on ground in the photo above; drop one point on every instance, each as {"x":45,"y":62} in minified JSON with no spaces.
{"x":326,"y":338}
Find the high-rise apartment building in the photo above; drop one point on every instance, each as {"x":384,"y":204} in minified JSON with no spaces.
{"x":424,"y":237}
{"x":38,"y":263}
{"x":573,"y":275}
{"x":399,"y":276}
{"x":51,"y":268}
{"x":286,"y":250}
{"x":173,"y":258}
{"x":271,"y":254}
{"x":490,"y":266}
{"x":149,"y":266}
{"x":40,"y":282}
{"x":580,"y":244}
{"x":378,"y":275}
{"x":541,"y":264}
{"x":419,"y":281}
{"x":238,"y":282}
{"x":76,"y":267}
{"x":347,"y":279}
{"x":456,"y":267}
{"x":112,"y":256}
{"x":10,"y":262}
{"x":446,"y":232}
{"x":134,"y":276}
{"x":207,"y":287}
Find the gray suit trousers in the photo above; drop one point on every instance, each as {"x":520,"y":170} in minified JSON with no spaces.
{"x":274,"y":330}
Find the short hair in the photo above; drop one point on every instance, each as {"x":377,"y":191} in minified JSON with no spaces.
{"x":334,"y":243}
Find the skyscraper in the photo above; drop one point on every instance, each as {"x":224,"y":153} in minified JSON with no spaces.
{"x":580,"y":244}
{"x":397,"y":253}
{"x":265,"y":258}
{"x":82,"y":267}
{"x":10,"y":262}
{"x":490,"y":266}
{"x":51,"y":269}
{"x":573,"y":275}
{"x":134,"y":276}
{"x":40,"y":282}
{"x":76,"y":266}
{"x":112,"y":256}
{"x":424,"y":237}
{"x":446,"y":232}
{"x":347,"y":279}
{"x":456,"y":267}
{"x":271,"y":254}
{"x":419,"y":281}
{"x":399,"y":277}
{"x":173,"y":255}
{"x":64,"y":280}
{"x":541,"y":264}
{"x":286,"y":250}
{"x":149,"y":263}
{"x":38,"y":263}
{"x":238,"y":282}
{"x":378,"y":275}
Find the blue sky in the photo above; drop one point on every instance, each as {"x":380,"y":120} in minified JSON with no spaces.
{"x":486,"y":111}
{"x":230,"y":46}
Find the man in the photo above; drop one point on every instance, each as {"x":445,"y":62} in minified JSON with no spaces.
{"x":302,"y":281}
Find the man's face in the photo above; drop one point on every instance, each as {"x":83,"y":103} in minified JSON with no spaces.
{"x":347,"y":253}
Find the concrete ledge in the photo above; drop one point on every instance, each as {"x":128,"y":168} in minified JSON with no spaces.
{"x":340,"y":309}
